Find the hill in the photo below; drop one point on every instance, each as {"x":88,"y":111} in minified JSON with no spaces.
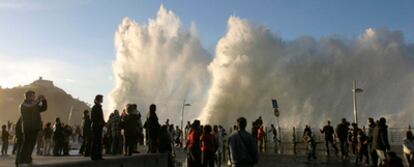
{"x":60,"y":103}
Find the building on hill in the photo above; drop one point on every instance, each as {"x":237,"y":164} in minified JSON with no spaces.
{"x":43,"y":83}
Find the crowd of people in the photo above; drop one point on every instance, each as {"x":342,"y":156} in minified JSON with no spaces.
{"x":368,"y":146}
{"x":206,"y":145}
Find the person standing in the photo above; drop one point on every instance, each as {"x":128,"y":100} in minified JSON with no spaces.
{"x":153,"y":128}
{"x":371,"y":149}
{"x":208,"y":147}
{"x":97,"y":125}
{"x":310,"y":141}
{"x":178,"y":137}
{"x":380,"y":141}
{"x":58,"y":138}
{"x":164,"y":145}
{"x":130,"y":125}
{"x":273,"y":131}
{"x":5,"y":139}
{"x":362,"y":148}
{"x":328,"y":131}
{"x":219,"y":138}
{"x":242,"y":146}
{"x":353,"y":138}
{"x":47,"y":135}
{"x":85,"y":149}
{"x":193,"y":145}
{"x":31,"y":123}
{"x":19,"y":139}
{"x":408,"y":148}
{"x":342,"y":133}
{"x":114,"y":124}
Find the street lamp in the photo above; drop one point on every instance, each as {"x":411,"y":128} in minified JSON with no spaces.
{"x":355,"y":90}
{"x":182,"y":117}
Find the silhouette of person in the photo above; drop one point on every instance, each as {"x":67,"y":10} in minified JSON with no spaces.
{"x":153,"y":128}
{"x":380,"y":141}
{"x":5,"y":140}
{"x":86,"y":134}
{"x":329,"y":132}
{"x":31,"y":122}
{"x":342,"y":133}
{"x":130,"y":126}
{"x":58,"y":138}
{"x":98,"y":123}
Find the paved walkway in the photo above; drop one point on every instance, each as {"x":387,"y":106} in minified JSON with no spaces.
{"x":265,"y":160}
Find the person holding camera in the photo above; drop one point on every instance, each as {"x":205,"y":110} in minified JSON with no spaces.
{"x":31,"y":123}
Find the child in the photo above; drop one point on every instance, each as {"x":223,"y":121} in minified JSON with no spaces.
{"x":5,"y":139}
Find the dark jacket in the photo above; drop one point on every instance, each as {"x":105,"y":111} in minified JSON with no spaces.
{"x":31,"y":115}
{"x":97,"y":118}
{"x":86,"y":126}
{"x":48,"y":132}
{"x":342,"y":131}
{"x":5,"y":135}
{"x":380,"y":140}
{"x":153,"y":127}
{"x":329,"y":132}
{"x":58,"y":132}
{"x":130,"y":125}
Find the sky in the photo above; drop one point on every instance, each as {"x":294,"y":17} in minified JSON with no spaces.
{"x":72,"y":42}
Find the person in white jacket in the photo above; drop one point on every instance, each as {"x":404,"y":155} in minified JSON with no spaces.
{"x":408,"y":148}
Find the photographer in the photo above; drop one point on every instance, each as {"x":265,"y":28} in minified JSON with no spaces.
{"x":30,"y":110}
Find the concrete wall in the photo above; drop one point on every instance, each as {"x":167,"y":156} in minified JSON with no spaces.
{"x":152,"y":160}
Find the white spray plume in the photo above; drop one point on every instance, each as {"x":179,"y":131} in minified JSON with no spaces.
{"x":164,"y":63}
{"x":161,"y":63}
{"x":311,"y":79}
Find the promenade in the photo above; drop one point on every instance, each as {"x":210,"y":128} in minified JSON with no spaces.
{"x":265,"y":160}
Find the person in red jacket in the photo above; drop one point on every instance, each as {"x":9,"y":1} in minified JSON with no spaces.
{"x":208,"y":147}
{"x":193,"y":145}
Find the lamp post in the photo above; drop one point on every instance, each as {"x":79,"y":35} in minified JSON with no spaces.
{"x":355,"y":90}
{"x":182,"y":118}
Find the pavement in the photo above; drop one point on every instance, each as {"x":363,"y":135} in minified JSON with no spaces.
{"x":265,"y":160}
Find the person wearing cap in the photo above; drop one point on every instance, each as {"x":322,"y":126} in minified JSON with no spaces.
{"x":30,"y":109}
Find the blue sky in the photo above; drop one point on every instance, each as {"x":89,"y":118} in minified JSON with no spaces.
{"x":72,"y":41}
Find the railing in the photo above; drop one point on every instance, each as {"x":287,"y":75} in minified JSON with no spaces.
{"x":291,"y":141}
